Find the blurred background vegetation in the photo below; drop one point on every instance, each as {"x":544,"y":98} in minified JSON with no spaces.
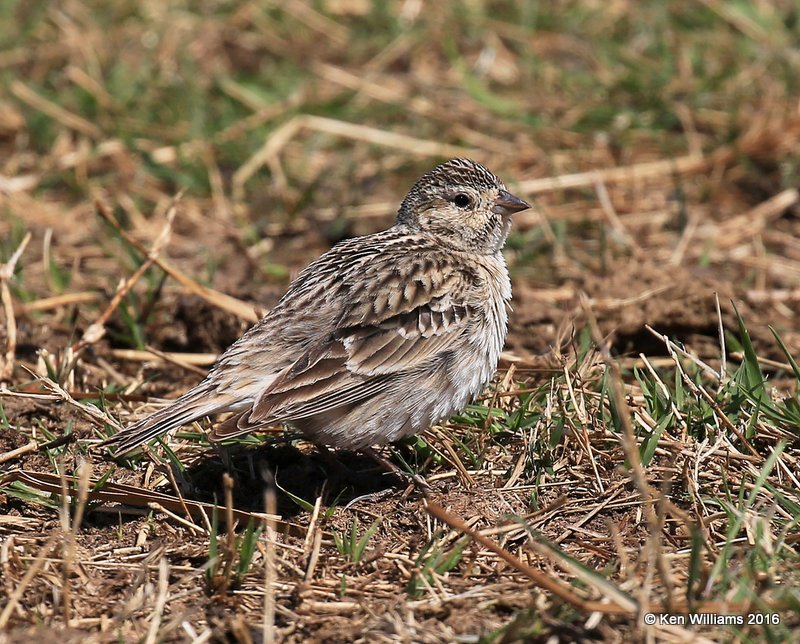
{"x":152,"y":97}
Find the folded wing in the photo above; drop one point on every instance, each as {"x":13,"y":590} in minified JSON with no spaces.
{"x":400,"y":323}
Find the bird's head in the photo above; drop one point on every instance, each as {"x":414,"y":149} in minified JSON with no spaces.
{"x":462,"y":203}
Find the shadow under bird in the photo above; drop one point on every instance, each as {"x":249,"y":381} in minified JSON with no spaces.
{"x":380,"y":337}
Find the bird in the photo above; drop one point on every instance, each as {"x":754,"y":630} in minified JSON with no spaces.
{"x":379,"y":338}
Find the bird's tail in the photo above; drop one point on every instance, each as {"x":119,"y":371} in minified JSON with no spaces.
{"x":194,"y":404}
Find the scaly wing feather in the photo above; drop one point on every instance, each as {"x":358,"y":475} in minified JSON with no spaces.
{"x":394,"y":325}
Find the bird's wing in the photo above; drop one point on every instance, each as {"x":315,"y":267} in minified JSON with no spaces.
{"x":398,"y":319}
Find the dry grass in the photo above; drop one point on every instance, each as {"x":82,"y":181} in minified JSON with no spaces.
{"x":165,"y":169}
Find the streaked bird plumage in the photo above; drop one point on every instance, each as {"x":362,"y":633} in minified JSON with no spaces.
{"x":381,"y":336}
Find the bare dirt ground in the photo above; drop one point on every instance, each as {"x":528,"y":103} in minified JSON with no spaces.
{"x":604,"y":475}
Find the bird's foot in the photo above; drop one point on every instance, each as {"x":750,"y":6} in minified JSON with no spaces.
{"x":412,"y":481}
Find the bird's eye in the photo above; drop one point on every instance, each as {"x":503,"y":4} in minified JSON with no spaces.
{"x":461,"y":200}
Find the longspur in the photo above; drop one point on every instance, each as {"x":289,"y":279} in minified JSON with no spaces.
{"x":381,"y":336}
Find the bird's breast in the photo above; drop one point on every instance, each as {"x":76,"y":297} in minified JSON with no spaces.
{"x":487,"y":336}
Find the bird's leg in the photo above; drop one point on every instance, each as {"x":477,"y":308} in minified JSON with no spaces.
{"x":339,"y":469}
{"x":413,"y":480}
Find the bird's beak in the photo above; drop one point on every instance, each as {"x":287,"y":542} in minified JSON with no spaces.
{"x":507,"y":204}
